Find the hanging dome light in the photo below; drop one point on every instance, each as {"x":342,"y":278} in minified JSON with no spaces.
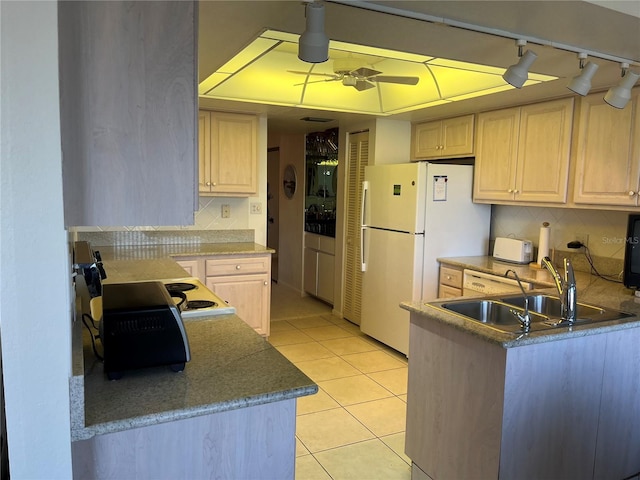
{"x":313,"y":46}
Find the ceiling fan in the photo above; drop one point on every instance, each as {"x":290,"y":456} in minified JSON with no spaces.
{"x":361,"y":78}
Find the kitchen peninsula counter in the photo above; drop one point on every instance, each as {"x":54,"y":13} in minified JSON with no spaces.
{"x":236,"y":388}
{"x":590,"y":289}
{"x":561,"y":403}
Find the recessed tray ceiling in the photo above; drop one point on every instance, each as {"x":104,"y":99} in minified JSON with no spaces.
{"x":268,"y":71}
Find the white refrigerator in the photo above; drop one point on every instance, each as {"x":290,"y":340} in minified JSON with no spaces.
{"x":413,"y":213}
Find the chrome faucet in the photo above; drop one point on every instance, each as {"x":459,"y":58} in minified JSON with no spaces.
{"x":566,"y":289}
{"x":525,"y":318}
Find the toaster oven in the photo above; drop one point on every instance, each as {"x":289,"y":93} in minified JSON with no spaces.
{"x":141,"y":327}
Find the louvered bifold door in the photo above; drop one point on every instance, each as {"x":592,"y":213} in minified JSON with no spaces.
{"x":358,"y":158}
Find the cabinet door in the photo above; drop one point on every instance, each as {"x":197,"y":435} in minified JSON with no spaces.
{"x":607,"y":160}
{"x":234,"y":153}
{"x":326,"y":271}
{"x":192,"y":267}
{"x":426,"y":139}
{"x":204,"y":152}
{"x":544,"y":144}
{"x":457,"y":136}
{"x":310,"y":279}
{"x":496,"y":153}
{"x":249,"y":294}
{"x":445,"y":291}
{"x":128,"y":104}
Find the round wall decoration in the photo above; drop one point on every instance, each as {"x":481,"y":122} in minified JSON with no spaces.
{"x":289,"y":181}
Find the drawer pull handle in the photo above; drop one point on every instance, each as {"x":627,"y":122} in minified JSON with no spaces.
{"x":237,"y":267}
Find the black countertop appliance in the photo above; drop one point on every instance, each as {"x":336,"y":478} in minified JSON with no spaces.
{"x":141,"y":327}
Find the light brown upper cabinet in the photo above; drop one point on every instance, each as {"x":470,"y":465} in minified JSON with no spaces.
{"x":608,"y":153}
{"x":128,"y":110}
{"x":448,"y":138}
{"x":228,"y":154}
{"x":522,"y":154}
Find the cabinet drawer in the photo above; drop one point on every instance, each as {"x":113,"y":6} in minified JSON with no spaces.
{"x":451,"y":277}
{"x":237,"y":265}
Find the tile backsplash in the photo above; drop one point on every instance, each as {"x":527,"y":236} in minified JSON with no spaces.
{"x":208,"y":217}
{"x":606,"y":230}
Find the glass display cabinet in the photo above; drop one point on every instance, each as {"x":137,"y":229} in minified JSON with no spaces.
{"x":321,"y":182}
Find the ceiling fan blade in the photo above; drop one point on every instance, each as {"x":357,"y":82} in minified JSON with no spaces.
{"x":392,"y":79}
{"x":316,"y":81}
{"x":333,"y":77}
{"x":363,"y":85}
{"x":365,"y":72}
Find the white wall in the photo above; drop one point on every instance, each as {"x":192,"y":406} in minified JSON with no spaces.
{"x":607,"y":230}
{"x":391,"y":141}
{"x":35,"y":308}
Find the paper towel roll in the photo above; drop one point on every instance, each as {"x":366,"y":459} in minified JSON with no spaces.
{"x":543,"y":242}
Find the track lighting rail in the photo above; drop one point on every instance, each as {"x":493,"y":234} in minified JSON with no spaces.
{"x":478,"y":28}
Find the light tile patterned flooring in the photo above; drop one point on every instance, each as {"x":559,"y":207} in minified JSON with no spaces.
{"x":353,"y":428}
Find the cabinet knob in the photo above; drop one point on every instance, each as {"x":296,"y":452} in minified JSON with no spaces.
{"x":237,"y":267}
{"x":266,"y":283}
{"x":510,"y":190}
{"x":515,"y":191}
{"x":214,"y":184}
{"x":631,"y":193}
{"x":448,"y":277}
{"x":208,"y":184}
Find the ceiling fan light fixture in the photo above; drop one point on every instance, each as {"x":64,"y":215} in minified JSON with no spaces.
{"x":313,"y":45}
{"x":581,"y":84}
{"x":620,"y":95}
{"x":517,"y":74}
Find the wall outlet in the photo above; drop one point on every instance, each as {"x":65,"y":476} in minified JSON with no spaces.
{"x":256,"y":208}
{"x":226,"y":211}
{"x":583,"y":238}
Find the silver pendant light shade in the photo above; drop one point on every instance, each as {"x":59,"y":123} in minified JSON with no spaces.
{"x":313,"y":46}
{"x":517,"y":74}
{"x":581,"y":84}
{"x":619,"y":96}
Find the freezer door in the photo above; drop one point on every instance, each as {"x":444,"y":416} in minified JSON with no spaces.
{"x":391,"y":196}
{"x":393,"y":275}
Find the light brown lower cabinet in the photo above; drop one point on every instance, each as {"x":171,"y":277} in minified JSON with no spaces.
{"x":243,"y":281}
{"x":450,"y":285}
{"x":565,"y":409}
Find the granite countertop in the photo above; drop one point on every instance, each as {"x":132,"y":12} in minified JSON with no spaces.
{"x":231,"y":365}
{"x":590,"y":289}
{"x":487,"y":264}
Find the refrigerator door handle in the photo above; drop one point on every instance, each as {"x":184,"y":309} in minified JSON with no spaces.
{"x":365,"y":189}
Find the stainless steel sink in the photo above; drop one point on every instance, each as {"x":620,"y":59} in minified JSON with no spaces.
{"x":550,"y":306}
{"x":495,"y":314}
{"x":544,"y":311}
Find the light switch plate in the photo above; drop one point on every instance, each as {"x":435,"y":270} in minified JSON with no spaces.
{"x":226,"y":211}
{"x":256,"y":208}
